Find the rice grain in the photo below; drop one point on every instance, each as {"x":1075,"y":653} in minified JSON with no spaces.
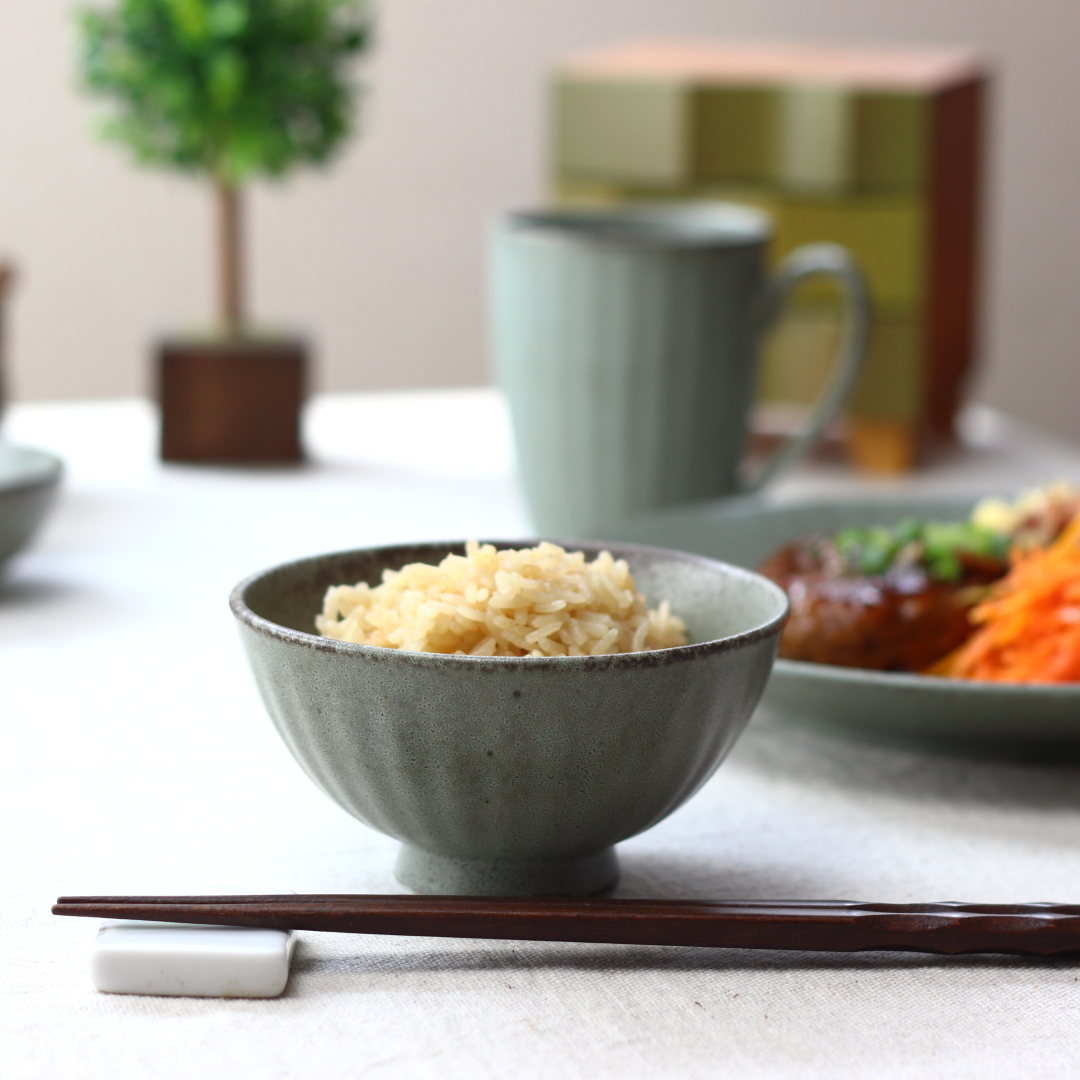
{"x":541,"y":601}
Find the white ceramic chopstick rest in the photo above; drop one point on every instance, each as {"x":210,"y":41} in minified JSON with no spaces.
{"x":183,"y":960}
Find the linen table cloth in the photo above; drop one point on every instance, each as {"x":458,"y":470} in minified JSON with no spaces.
{"x":137,"y":758}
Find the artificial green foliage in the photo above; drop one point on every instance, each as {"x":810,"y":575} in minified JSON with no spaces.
{"x":233,"y":88}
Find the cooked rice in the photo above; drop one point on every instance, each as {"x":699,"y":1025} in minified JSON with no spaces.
{"x":540,"y":601}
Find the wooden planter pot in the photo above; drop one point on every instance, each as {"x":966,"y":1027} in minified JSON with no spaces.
{"x":231,"y":401}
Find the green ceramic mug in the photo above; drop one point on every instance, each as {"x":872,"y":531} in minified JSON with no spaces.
{"x":626,"y":342}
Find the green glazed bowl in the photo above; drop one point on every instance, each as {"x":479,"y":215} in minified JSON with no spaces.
{"x":29,"y":483}
{"x":502,"y":775}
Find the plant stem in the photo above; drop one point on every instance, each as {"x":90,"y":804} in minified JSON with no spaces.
{"x":230,"y":243}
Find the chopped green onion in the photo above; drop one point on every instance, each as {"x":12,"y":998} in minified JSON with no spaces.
{"x":937,"y":545}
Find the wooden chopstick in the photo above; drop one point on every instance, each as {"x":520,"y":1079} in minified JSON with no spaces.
{"x":1037,"y":929}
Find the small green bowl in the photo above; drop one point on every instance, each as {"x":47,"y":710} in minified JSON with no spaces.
{"x":29,"y":483}
{"x":501,"y":775}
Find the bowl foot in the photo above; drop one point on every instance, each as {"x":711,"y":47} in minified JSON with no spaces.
{"x":428,"y":872}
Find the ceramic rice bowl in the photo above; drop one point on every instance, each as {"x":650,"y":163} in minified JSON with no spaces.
{"x":508,"y":776}
{"x":29,"y":484}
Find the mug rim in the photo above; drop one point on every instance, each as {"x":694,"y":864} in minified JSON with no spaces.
{"x":678,"y":225}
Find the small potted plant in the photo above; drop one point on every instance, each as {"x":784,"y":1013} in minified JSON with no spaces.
{"x":228,"y":90}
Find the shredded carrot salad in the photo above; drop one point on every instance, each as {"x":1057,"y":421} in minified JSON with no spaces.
{"x":1028,"y":629}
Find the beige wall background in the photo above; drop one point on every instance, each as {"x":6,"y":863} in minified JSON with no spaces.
{"x":382,"y":258}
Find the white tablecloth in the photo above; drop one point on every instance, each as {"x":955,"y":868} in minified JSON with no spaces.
{"x":137,"y":758}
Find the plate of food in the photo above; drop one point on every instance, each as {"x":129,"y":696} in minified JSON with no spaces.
{"x":952,"y":622}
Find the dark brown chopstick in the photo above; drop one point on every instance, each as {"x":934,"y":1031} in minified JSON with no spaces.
{"x":1036,"y":929}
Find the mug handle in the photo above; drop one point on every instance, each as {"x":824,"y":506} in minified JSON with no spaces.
{"x":833,"y":261}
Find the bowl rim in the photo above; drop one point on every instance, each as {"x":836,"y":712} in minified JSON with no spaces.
{"x":37,"y":469}
{"x":648,"y":657}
